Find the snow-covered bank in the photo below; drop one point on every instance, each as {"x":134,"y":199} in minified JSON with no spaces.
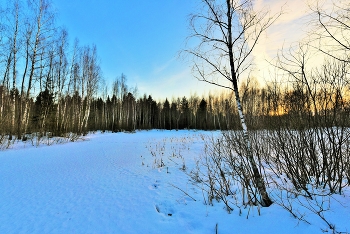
{"x":111,"y":183}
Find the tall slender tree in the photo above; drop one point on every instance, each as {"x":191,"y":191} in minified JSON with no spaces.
{"x":40,"y":30}
{"x":228,"y":31}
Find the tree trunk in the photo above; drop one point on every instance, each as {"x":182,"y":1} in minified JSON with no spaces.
{"x":258,"y":180}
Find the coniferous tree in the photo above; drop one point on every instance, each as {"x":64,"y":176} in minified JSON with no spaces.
{"x":202,"y":114}
{"x":166,"y":115}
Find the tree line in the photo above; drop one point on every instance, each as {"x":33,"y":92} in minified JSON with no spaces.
{"x":49,"y":86}
{"x":266,"y":107}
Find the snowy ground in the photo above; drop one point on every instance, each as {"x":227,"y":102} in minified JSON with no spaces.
{"x":111,"y":183}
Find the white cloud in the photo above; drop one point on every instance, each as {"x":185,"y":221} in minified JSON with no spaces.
{"x":291,"y":27}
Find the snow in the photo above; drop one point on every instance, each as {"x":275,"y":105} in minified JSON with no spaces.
{"x":112,"y":183}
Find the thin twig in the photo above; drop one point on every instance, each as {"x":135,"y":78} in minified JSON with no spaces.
{"x":183,"y":192}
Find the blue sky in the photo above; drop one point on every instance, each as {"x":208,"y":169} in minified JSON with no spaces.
{"x":141,"y":39}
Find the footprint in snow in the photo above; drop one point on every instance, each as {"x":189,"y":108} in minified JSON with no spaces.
{"x":154,"y":186}
{"x":165,"y":208}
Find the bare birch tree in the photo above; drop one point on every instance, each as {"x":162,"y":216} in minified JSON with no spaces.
{"x":89,"y":84}
{"x":227,"y":33}
{"x":39,"y":31}
{"x":14,"y":51}
{"x":61,"y":78}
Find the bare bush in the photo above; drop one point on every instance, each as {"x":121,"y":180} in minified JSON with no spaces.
{"x":223,"y":172}
{"x":6,"y":141}
{"x":303,"y":168}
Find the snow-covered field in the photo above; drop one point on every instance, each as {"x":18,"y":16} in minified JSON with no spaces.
{"x":112,"y":183}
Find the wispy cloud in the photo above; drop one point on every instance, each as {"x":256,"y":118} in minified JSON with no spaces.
{"x":288,"y":29}
{"x":158,"y":69}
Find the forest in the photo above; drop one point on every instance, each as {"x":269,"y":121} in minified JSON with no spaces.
{"x":50,"y":87}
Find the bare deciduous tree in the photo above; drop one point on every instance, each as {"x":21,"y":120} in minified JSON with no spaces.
{"x":15,"y":14}
{"x":39,"y":31}
{"x":91,"y":74}
{"x":227,"y":33}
